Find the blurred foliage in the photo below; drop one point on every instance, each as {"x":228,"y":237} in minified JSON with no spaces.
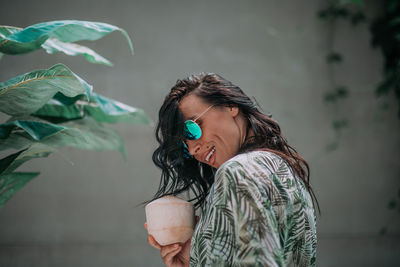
{"x":341,"y":10}
{"x":336,"y":94}
{"x":394,"y":206}
{"x":385,"y":36}
{"x":385,"y":32}
{"x":348,"y":10}
{"x":52,"y":108}
{"x":334,"y":57}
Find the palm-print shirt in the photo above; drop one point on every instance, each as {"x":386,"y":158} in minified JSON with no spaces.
{"x":257,"y":213}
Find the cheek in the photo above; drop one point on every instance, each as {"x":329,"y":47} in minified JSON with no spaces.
{"x":223,"y":130}
{"x":230,"y":140}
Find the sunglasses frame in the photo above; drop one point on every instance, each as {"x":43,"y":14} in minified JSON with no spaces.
{"x":185,"y":146}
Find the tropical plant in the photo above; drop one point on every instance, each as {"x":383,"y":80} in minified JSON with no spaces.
{"x":51,"y":108}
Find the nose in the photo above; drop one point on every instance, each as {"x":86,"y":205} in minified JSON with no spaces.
{"x":194,"y":147}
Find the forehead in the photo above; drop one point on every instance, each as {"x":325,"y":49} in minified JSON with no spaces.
{"x":192,"y":106}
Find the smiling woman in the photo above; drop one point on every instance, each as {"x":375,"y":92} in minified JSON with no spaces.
{"x":252,"y":186}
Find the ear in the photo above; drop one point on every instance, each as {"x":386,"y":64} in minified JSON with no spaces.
{"x":234,"y":110}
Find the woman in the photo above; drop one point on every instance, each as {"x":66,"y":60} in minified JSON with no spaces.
{"x":253,"y":188}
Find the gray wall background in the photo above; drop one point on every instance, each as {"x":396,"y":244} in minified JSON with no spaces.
{"x":86,"y":215}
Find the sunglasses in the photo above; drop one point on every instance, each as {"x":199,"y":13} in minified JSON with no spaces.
{"x":192,"y":131}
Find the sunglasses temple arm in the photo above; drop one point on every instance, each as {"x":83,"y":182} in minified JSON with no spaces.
{"x":203,"y":113}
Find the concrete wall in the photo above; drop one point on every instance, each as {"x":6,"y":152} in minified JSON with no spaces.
{"x":86,"y":214}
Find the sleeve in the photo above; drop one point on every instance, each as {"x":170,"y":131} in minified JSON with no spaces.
{"x":244,"y":229}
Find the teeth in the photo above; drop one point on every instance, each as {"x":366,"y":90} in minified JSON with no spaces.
{"x":210,"y":154}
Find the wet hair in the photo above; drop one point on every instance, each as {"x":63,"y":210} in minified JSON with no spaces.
{"x":180,"y":173}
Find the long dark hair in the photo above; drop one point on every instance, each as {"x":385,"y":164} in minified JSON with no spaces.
{"x":180,"y":173}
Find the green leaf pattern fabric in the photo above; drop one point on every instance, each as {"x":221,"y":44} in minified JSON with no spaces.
{"x":257,"y":213}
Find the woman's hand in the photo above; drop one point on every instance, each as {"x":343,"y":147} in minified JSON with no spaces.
{"x":174,"y":255}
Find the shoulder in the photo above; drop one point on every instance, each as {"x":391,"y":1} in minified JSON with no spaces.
{"x":256,"y":168}
{"x":255,"y":171}
{"x":251,"y":162}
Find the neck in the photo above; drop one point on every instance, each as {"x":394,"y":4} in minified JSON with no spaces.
{"x":248,"y":131}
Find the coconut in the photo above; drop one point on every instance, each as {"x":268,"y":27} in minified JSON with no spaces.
{"x":170,"y":220}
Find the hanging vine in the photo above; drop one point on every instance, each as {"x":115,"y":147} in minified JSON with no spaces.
{"x":385,"y":36}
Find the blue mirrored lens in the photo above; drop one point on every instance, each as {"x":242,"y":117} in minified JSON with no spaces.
{"x":186,"y":153}
{"x":191,"y":130}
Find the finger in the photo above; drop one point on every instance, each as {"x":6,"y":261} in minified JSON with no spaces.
{"x":165,"y":250}
{"x":145,"y":225}
{"x":196,"y":220}
{"x":169,"y":258}
{"x":153,"y":242}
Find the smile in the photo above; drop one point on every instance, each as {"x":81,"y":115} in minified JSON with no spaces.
{"x":210,"y":154}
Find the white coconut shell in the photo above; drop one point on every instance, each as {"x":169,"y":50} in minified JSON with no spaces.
{"x":170,"y":220}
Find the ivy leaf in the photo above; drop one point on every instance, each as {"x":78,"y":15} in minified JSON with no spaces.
{"x":392,"y":204}
{"x":357,"y":18}
{"x":334,"y":57}
{"x":385,"y":86}
{"x":383,"y":231}
{"x":391,"y":6}
{"x":338,"y":93}
{"x":339,"y":124}
{"x":330,"y":97}
{"x":342,"y":92}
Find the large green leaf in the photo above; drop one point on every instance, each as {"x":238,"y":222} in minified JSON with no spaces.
{"x":32,"y":37}
{"x":12,"y":182}
{"x":85,"y":133}
{"x":6,"y":31}
{"x":36,"y":129}
{"x":13,"y":161}
{"x":7,"y":161}
{"x":105,"y":109}
{"x":101,"y":108}
{"x":26,"y":93}
{"x":53,"y":46}
{"x":88,"y":134}
{"x":56,"y":111}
